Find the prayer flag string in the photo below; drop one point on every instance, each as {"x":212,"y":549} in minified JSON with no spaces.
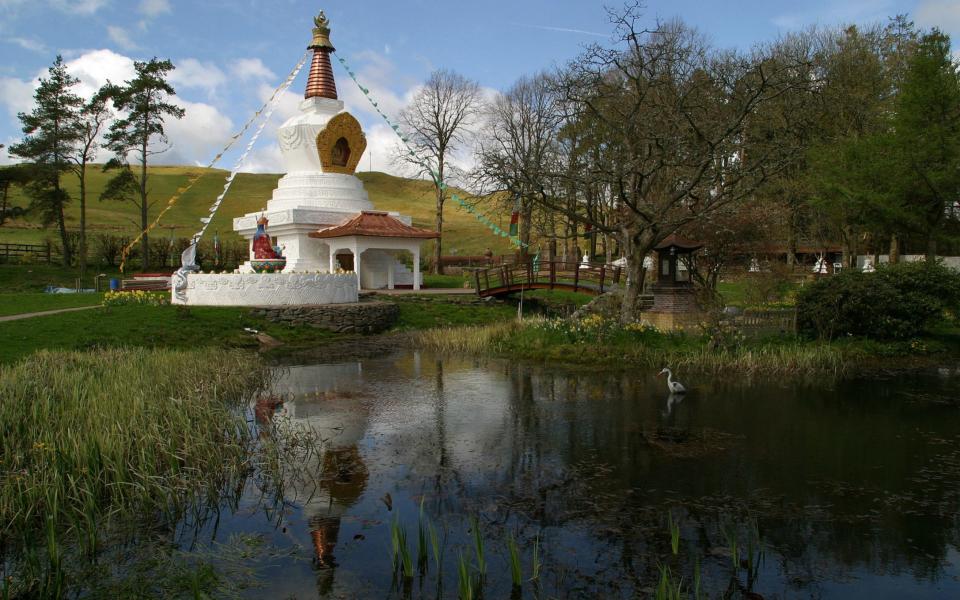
{"x":269,"y":106}
{"x":511,"y":235}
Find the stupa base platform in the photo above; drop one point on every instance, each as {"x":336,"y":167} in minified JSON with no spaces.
{"x":266,"y":289}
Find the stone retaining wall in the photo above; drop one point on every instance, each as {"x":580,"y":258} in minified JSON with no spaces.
{"x":362,"y":317}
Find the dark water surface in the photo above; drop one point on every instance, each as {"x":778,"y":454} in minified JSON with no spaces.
{"x":822,"y":489}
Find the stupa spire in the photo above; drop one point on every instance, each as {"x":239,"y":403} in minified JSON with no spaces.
{"x":321,"y":84}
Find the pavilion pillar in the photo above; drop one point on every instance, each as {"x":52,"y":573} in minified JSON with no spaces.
{"x":356,"y":264}
{"x":390,"y":272}
{"x":416,"y":268}
{"x":333,"y":258}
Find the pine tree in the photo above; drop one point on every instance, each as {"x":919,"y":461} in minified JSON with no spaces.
{"x":145,"y":102}
{"x":51,"y":137}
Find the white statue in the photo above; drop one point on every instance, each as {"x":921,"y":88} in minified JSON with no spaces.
{"x":821,"y":266}
{"x":868,"y":266}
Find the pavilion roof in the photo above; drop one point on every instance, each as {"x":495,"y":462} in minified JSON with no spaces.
{"x":678,"y":242}
{"x":375,"y":224}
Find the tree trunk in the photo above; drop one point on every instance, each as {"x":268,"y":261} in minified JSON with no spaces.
{"x":894,"y":256}
{"x":638,"y":245}
{"x":145,"y":240}
{"x":526,"y":224}
{"x":3,"y":205}
{"x":83,"y":222}
{"x":437,"y":249}
{"x":931,"y":249}
{"x":791,"y":246}
{"x":62,"y":223}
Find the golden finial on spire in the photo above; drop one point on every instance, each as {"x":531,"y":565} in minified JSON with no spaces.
{"x":321,"y":32}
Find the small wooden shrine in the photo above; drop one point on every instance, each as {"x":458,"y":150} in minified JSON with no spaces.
{"x":674,"y":298}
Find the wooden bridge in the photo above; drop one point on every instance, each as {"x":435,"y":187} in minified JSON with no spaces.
{"x":501,"y":280}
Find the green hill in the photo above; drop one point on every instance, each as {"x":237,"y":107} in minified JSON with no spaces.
{"x":462,"y":233}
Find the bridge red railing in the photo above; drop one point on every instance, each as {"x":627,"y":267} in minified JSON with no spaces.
{"x":574,"y":276}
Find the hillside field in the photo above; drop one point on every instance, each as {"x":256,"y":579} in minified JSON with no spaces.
{"x":462,"y":233}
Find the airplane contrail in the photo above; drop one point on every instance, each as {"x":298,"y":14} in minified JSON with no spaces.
{"x":562,"y":29}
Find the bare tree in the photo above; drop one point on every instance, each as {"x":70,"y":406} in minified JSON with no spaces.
{"x":92,"y":119}
{"x":518,"y":146}
{"x":672,"y":117}
{"x":436,"y":124}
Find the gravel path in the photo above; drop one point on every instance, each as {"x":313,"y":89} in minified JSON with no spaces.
{"x":45,"y":313}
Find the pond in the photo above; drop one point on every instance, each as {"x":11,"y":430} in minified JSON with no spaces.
{"x":748,"y":488}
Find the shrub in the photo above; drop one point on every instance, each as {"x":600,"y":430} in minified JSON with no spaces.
{"x":108,"y":248}
{"x":897,"y":302}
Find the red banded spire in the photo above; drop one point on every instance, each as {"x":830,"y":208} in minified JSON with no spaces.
{"x":320,"y":83}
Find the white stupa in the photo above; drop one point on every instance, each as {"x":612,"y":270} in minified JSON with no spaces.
{"x":319,"y":216}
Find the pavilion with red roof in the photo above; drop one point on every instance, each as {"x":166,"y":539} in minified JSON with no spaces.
{"x":379,"y":235}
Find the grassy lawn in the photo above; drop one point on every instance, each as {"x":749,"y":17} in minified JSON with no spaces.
{"x":207,"y":326}
{"x":426,"y":312}
{"x":148,"y":326}
{"x":36,"y":277}
{"x":463,"y":234}
{"x":753,"y":291}
{"x":447,"y":281}
{"x":15,"y":304}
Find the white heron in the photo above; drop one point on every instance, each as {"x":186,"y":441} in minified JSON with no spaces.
{"x":675,"y":387}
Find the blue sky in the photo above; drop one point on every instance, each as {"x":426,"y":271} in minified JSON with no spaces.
{"x":232,"y":53}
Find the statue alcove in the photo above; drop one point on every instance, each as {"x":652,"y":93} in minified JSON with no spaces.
{"x":340,"y":155}
{"x":340,"y":144}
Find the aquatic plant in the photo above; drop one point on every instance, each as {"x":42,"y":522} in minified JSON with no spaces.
{"x":401,"y":550}
{"x":421,"y":540}
{"x":435,"y":547}
{"x":96,"y":442}
{"x":537,"y":565}
{"x":555,"y":339}
{"x":729,"y":532}
{"x":478,"y":546}
{"x":666,"y":588}
{"x":464,"y":581}
{"x":516,"y":572}
{"x":474,"y":339}
{"x":674,"y":529}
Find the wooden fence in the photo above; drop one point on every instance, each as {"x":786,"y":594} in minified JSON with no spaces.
{"x":755,"y":322}
{"x":35,"y":252}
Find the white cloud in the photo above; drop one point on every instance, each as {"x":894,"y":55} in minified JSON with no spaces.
{"x":120,"y":37}
{"x":246,"y":69}
{"x":28,"y":44}
{"x":191,"y":73}
{"x":83,"y":7}
{"x":194,"y":139}
{"x":944,"y":14}
{"x":96,"y":67}
{"x":16,"y":95}
{"x":153,"y":8}
{"x":197,"y":137}
{"x":268,"y":159}
{"x":5,"y":158}
{"x":382,"y":146}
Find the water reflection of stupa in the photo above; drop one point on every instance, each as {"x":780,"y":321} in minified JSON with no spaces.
{"x":319,"y":216}
{"x":324,"y":397}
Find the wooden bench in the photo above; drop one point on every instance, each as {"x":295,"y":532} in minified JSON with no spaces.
{"x":148,"y":283}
